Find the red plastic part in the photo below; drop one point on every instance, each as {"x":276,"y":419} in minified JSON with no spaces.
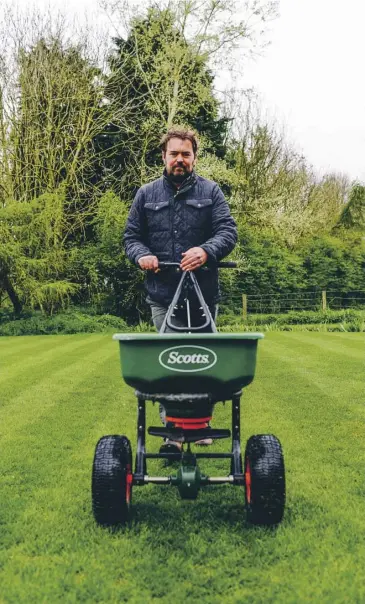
{"x":194,"y":423}
{"x":128,"y":486}
{"x":248,"y":481}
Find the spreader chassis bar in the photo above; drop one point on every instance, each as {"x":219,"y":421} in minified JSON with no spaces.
{"x":141,"y":477}
{"x":205,"y":480}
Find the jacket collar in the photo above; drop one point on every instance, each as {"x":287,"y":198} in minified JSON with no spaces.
{"x":186,"y":185}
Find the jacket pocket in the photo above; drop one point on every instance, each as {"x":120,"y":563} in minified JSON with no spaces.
{"x":198,"y":213}
{"x":199,"y":203}
{"x":157,"y":215}
{"x":156,"y":206}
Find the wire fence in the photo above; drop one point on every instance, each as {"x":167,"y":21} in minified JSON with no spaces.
{"x":241,"y":303}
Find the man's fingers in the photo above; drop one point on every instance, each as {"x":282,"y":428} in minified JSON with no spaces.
{"x":148,"y":263}
{"x":193,"y":258}
{"x":191,"y":262}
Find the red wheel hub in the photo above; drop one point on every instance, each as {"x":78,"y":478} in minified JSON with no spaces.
{"x":248,"y":481}
{"x":128,"y":484}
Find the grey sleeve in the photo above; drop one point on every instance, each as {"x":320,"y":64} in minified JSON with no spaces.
{"x":224,"y":229}
{"x":134,"y":234}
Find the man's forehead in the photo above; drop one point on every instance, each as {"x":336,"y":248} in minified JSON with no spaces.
{"x":179,"y":144}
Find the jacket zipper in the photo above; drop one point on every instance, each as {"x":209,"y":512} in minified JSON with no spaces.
{"x":172,"y":209}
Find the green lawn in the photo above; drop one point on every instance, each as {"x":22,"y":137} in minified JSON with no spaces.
{"x":59,"y":394}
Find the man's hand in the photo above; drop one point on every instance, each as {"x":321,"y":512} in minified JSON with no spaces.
{"x":148,"y":263}
{"x":193,"y":258}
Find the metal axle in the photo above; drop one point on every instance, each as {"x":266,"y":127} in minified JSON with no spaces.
{"x":204,"y":479}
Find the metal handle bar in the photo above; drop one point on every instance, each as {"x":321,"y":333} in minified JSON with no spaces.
{"x":226,"y":264}
{"x":208,"y":317}
{"x":217,"y":264}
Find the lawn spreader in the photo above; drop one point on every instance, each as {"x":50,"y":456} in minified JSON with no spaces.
{"x":188,"y":370}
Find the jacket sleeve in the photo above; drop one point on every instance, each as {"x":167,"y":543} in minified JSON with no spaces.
{"x":134,"y":234}
{"x":224,"y":229}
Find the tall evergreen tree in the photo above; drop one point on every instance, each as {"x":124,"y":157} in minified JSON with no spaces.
{"x":159,"y":78}
{"x":353,"y":214}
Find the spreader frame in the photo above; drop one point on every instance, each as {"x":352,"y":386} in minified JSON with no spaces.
{"x":187,"y":459}
{"x":188,"y":371}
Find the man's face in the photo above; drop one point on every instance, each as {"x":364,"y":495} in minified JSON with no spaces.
{"x":179,"y":158}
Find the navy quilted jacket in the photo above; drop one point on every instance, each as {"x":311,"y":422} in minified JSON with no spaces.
{"x":165,"y":222}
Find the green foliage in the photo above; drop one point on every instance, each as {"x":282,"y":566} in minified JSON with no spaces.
{"x":353,"y":214}
{"x":275,"y":185}
{"x":270,"y":267}
{"x":160,"y":79}
{"x":72,"y":135}
{"x":34,"y":257}
{"x":62,"y":323}
{"x":55,"y":122}
{"x":335,"y":263}
{"x":104,"y":274}
{"x":342,"y":320}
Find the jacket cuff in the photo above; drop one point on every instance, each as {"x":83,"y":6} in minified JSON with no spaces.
{"x":209,"y":251}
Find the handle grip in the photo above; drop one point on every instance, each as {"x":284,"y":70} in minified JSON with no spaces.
{"x":226,"y":264}
{"x":218,"y":264}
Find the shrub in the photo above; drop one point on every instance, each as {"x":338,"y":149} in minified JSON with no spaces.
{"x":63,"y":323}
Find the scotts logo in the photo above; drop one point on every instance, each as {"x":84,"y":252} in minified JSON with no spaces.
{"x":187,"y":358}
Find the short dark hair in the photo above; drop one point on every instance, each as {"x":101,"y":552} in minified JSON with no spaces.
{"x":183,"y":134}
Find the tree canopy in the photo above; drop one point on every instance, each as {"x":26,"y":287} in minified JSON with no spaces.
{"x":78,"y":137}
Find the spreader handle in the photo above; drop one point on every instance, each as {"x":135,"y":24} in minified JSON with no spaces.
{"x":218,"y":264}
{"x":226,"y":264}
{"x":168,"y":264}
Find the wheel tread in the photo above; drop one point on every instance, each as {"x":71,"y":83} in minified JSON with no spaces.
{"x":264,"y":453}
{"x":112,"y":461}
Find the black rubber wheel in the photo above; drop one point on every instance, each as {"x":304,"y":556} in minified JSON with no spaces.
{"x":112,"y":480}
{"x":264,"y":480}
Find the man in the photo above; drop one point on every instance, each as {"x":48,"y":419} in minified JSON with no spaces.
{"x":180,"y":217}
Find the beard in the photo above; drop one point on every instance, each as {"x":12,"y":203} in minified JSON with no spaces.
{"x":179,"y":177}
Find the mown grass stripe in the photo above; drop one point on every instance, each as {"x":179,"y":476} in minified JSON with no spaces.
{"x":51,"y":550}
{"x":354,"y":349}
{"x":29,"y":348}
{"x":317,"y":368}
{"x":36,"y":395}
{"x":32,"y":370}
{"x":55,"y":436}
{"x":334,"y":414}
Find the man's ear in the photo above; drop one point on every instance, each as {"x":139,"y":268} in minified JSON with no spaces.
{"x":163,"y":155}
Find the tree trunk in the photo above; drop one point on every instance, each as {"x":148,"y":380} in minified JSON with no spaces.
{"x":5,"y":284}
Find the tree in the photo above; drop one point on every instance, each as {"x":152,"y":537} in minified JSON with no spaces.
{"x":270,"y":268}
{"x":335,"y":263}
{"x":353,"y":213}
{"x":104,"y":274}
{"x":275,"y":187}
{"x":34,"y":256}
{"x":162,"y":71}
{"x":51,"y":109}
{"x":158,"y":90}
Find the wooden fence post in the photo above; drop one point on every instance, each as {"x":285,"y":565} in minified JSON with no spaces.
{"x":324,"y":299}
{"x":244,"y":306}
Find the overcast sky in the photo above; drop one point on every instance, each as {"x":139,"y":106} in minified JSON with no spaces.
{"x":311,"y":78}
